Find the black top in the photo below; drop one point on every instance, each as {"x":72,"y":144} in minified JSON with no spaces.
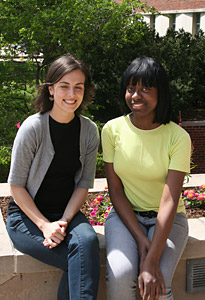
{"x":58,"y":183}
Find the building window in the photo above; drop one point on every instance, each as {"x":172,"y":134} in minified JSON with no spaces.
{"x":152,"y":21}
{"x":172,"y":21}
{"x":198,"y":19}
{"x":196,"y":23}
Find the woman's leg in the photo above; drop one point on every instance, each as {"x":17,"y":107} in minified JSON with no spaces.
{"x":28,"y":239}
{"x":172,"y":251}
{"x":122,"y":260}
{"x":83,"y":259}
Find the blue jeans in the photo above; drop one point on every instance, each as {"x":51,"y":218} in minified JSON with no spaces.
{"x":123,"y":259}
{"x":77,"y":255}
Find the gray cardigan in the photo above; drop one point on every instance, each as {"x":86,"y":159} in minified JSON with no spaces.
{"x":33,"y":152}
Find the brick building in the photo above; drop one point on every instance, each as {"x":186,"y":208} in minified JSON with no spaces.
{"x":196,"y":129}
{"x":177,"y":14}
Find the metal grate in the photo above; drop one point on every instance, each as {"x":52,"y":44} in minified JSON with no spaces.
{"x":195,"y":275}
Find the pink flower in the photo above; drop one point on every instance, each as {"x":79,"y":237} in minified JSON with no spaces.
{"x":106,"y":215}
{"x":93,"y":214}
{"x":190,"y":195}
{"x":106,"y":187}
{"x":92,"y":222}
{"x":99,"y":198}
{"x":98,"y":223}
{"x":180,"y":118}
{"x":202,"y":186}
{"x":18,"y":125}
{"x":186,"y":192}
{"x":92,"y":204}
{"x":201,"y":197}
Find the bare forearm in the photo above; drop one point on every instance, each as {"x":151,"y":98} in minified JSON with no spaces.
{"x":75,"y":203}
{"x":27,"y":205}
{"x":163,"y":226}
{"x":167,"y":212}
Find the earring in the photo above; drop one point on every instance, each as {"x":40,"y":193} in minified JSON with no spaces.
{"x":51,"y":98}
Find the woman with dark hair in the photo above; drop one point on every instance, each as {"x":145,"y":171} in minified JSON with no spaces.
{"x":52,"y":168}
{"x":146,"y":158}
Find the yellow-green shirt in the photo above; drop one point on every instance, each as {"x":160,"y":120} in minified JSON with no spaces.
{"x":142,"y":158}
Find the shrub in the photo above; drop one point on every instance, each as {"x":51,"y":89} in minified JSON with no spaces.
{"x":100,"y":171}
{"x":5,"y":159}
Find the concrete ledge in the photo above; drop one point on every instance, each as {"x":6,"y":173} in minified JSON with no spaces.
{"x":100,"y":183}
{"x":25,"y":278}
{"x":193,"y":123}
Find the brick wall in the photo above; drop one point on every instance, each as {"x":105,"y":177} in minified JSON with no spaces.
{"x":161,"y":5}
{"x":196,"y":129}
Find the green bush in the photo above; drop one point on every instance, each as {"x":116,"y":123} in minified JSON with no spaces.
{"x":16,"y":96}
{"x":100,"y":171}
{"x":5,"y":159}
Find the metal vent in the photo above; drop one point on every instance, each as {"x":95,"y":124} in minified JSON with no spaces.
{"x":195,"y":275}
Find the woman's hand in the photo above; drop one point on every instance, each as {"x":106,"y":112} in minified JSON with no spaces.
{"x":150,"y":280}
{"x":54,"y":233}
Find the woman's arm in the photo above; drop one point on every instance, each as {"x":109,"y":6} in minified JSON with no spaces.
{"x":54,"y":232}
{"x":150,"y":279}
{"x":75,"y":203}
{"x":125,"y":210}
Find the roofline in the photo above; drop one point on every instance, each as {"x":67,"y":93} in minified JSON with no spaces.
{"x":182,"y":11}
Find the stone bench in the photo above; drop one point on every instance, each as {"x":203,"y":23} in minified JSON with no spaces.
{"x":24,"y":278}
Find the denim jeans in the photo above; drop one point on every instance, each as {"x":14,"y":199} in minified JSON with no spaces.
{"x":123,"y":259}
{"x":77,"y":255}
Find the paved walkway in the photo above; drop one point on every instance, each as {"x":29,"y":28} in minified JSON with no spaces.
{"x":100,"y":183}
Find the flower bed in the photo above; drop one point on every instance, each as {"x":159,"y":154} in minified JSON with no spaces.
{"x":98,"y":205}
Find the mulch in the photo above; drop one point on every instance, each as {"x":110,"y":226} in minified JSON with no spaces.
{"x":86,"y":209}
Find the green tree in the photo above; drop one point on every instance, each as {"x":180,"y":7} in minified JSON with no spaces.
{"x":183,"y":57}
{"x":49,"y":28}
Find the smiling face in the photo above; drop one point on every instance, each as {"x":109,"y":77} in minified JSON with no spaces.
{"x":68,"y":95}
{"x":142,"y":101}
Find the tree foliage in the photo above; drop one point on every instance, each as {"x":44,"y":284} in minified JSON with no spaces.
{"x":183,"y":57}
{"x":107,"y":36}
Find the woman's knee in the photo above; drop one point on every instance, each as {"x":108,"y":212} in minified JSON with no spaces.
{"x":85,"y":238}
{"x":121,"y":281}
{"x":120,"y":269}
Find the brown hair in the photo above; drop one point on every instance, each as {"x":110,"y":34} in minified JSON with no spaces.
{"x":57,"y":70}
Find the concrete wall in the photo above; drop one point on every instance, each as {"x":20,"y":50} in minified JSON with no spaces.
{"x":185,"y":11}
{"x":184,"y":20}
{"x":24,"y":278}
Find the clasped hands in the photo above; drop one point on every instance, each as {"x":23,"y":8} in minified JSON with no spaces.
{"x":54,"y":233}
{"x":150,"y":279}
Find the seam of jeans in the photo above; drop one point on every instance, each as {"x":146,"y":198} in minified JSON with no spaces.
{"x":82,"y":270}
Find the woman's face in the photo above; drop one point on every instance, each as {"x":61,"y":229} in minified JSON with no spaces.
{"x":141,"y":100}
{"x":68,"y":95}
